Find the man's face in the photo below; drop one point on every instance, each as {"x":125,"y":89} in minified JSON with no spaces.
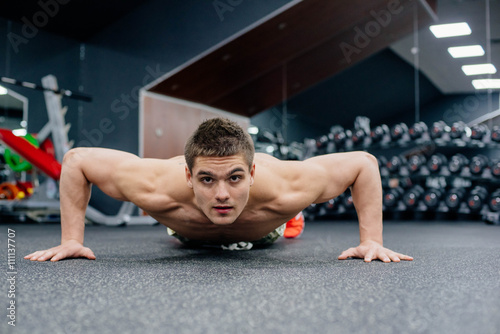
{"x":221,"y":186}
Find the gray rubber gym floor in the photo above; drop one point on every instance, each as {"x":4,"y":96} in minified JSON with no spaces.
{"x":146,"y":282}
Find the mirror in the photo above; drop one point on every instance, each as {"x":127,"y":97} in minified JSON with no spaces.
{"x":13,"y":110}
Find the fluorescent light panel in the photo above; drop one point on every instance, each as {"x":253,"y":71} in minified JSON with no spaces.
{"x":466,"y":51}
{"x":450,"y":30}
{"x":19,"y":132}
{"x":479,"y":69}
{"x":3,"y":90}
{"x":486,"y":83}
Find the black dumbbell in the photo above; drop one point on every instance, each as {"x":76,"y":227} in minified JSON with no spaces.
{"x":494,"y":201}
{"x":340,"y":138}
{"x":358,"y":136}
{"x":379,"y":132}
{"x":382,"y":161}
{"x":457,"y":163}
{"x":458,"y":130}
{"x":417,"y":130}
{"x":322,"y":142}
{"x":332,"y":205}
{"x":495,"y":167}
{"x":398,"y":130}
{"x":415,"y":162}
{"x":395,"y":163}
{"x":477,"y":198}
{"x":495,"y":133}
{"x":312,"y":210}
{"x":432,"y":197}
{"x":392,"y":196}
{"x":347,"y":200}
{"x":454,"y":197}
{"x":478,"y":131}
{"x":412,"y":196}
{"x":438,"y":129}
{"x":478,"y":164}
{"x":436,"y":162}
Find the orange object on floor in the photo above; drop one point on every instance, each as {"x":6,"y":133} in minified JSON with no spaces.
{"x":295,"y":226}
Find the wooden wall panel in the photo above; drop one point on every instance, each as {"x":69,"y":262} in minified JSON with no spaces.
{"x":167,"y":124}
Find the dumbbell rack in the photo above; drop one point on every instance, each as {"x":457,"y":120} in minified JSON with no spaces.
{"x":404,"y":178}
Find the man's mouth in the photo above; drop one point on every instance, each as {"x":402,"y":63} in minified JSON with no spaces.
{"x":223,"y":209}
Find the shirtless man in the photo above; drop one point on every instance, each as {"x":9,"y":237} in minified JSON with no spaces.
{"x":220,"y":191}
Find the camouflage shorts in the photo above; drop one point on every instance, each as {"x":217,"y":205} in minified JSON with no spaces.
{"x":243,"y":245}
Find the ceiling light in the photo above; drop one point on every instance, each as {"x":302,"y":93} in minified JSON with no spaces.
{"x":479,"y":69}
{"x":19,"y":132}
{"x":3,"y":90}
{"x":486,"y":83}
{"x":253,"y":130}
{"x":450,"y":30}
{"x":466,"y":51}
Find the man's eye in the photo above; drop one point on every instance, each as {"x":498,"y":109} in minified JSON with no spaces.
{"x":235,"y":178}
{"x":206,"y":180}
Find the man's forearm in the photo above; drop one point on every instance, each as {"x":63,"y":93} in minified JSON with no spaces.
{"x":367,"y":197}
{"x":75,"y":195}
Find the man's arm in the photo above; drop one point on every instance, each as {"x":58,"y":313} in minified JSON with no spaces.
{"x":81,"y":168}
{"x":359,"y":170}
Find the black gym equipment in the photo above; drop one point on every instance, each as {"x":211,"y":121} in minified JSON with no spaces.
{"x":454,"y":197}
{"x":340,"y":138}
{"x":479,"y":131}
{"x":395,"y":163}
{"x":417,"y":130}
{"x":495,"y":134}
{"x":494,"y":201}
{"x":359,"y":136}
{"x":477,"y":198}
{"x":332,"y":205}
{"x":438,"y":129}
{"x":495,"y":167}
{"x":432,"y":198}
{"x":415,"y":162}
{"x":392,"y":196}
{"x":478,"y":164}
{"x":382,"y":161}
{"x":347,"y":201}
{"x":412,"y":197}
{"x":457,"y":163}
{"x":379,"y":132}
{"x":398,"y":131}
{"x":436,"y":162}
{"x":459,"y":130}
{"x":322,"y":142}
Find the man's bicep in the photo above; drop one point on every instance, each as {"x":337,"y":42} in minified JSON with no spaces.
{"x":334,"y":173}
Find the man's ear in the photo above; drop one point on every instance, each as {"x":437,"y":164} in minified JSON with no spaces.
{"x":252,"y":174}
{"x":188,"y":177}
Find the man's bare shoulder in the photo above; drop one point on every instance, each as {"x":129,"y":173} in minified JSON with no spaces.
{"x":148,"y":181}
{"x":282,"y":175}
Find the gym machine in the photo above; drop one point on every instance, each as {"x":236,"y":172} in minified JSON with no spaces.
{"x":40,"y":202}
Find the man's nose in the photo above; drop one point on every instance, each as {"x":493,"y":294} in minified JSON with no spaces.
{"x":222,"y":192}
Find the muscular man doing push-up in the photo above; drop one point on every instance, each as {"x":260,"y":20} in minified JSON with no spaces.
{"x":220,"y":192}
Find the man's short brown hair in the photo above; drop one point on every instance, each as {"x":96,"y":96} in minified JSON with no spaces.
{"x":219,"y":137}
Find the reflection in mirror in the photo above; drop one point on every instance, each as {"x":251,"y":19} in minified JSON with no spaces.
{"x":13,"y":111}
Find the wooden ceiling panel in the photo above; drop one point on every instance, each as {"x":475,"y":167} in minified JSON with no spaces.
{"x":303,"y":44}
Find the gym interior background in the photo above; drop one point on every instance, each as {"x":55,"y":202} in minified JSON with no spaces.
{"x":313,"y":77}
